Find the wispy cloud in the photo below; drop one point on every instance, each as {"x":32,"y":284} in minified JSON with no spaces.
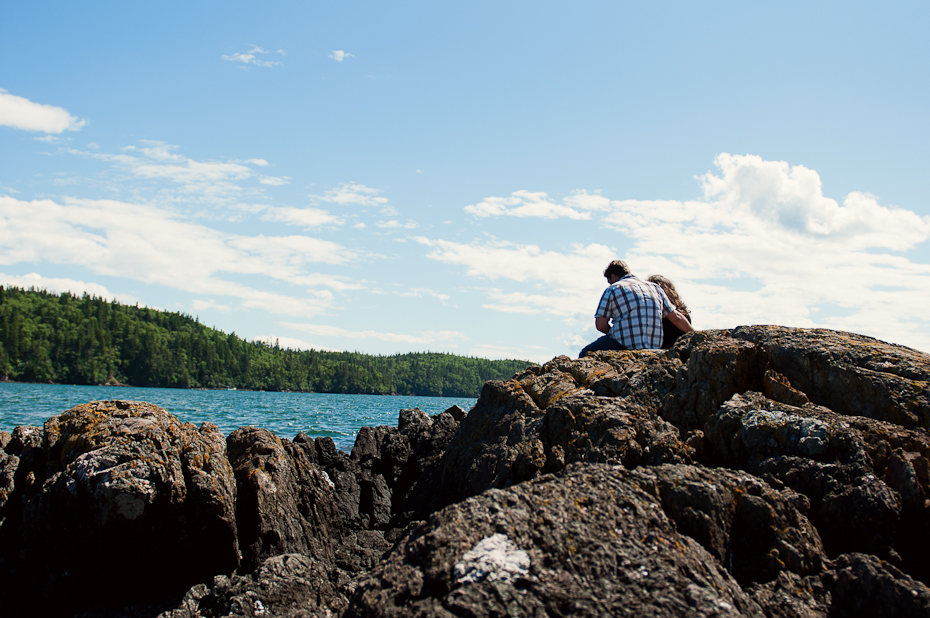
{"x":57,"y":285}
{"x":154,"y":166}
{"x":338,"y":55}
{"x":397,"y":225}
{"x":25,"y":115}
{"x":154,"y":246}
{"x":274,"y":181}
{"x":445,"y":337}
{"x":352,"y":194}
{"x":525,"y":204}
{"x":303,"y":217}
{"x":250,"y":58}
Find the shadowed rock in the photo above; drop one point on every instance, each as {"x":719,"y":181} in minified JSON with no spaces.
{"x":284,"y":586}
{"x":285,"y":504}
{"x":132,"y":498}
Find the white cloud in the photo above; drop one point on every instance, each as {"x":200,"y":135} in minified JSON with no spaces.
{"x":249,"y":58}
{"x":421,"y":292}
{"x":498,"y":259}
{"x":154,"y":246}
{"x":536,"y":354}
{"x":763,"y":245}
{"x":204,"y":305}
{"x":427,"y":338}
{"x":524,"y":204}
{"x":394,"y":225}
{"x":305,"y":217}
{"x":351,"y":193}
{"x":274,"y":181}
{"x":21,"y":113}
{"x":57,"y":285}
{"x":338,"y":55}
{"x":154,"y":163}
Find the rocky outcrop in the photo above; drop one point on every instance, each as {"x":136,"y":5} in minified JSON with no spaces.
{"x":285,"y":504}
{"x":759,"y":471}
{"x":118,"y":500}
{"x":589,"y":542}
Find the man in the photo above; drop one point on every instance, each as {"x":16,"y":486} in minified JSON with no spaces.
{"x":636,"y":308}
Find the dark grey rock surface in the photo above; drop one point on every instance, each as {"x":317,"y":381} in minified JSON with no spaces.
{"x":759,"y":471}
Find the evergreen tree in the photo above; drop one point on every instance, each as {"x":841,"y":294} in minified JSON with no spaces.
{"x":63,"y":338}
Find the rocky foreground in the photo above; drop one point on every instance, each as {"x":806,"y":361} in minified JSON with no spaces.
{"x":760,"y":471}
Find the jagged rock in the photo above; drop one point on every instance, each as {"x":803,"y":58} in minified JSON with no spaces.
{"x":457,"y":412}
{"x":491,"y":448}
{"x":8,"y":466}
{"x":387,"y":468}
{"x":285,"y":504}
{"x":132,"y":498}
{"x":753,"y":530}
{"x":588,"y":543}
{"x":507,"y":438}
{"x":25,"y":445}
{"x":750,"y":428}
{"x":793,"y":596}
{"x":284,"y":586}
{"x":860,"y":489}
{"x":863,"y":585}
{"x":361,"y":550}
{"x":717,"y":366}
{"x":849,"y":373}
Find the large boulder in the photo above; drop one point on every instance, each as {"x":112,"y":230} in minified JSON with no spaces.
{"x":134,"y":503}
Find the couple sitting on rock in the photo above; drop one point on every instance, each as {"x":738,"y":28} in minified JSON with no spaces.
{"x":634,"y":314}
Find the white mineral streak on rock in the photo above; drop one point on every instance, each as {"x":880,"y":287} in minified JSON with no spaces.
{"x":329,"y":481}
{"x":265,"y":482}
{"x":493,"y":558}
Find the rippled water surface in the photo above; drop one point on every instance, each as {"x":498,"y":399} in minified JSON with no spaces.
{"x":286,"y":414}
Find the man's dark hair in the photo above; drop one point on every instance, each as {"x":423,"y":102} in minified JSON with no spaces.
{"x":617,"y":267}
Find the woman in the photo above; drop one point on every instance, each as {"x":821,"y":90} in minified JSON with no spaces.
{"x":671,"y":332}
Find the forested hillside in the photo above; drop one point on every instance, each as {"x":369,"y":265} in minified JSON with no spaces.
{"x":47,"y":337}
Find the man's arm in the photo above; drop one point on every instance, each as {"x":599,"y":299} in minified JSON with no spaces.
{"x":676,"y":318}
{"x":602,"y":324}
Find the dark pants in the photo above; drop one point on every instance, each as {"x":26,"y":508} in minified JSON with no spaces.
{"x":601,"y":344}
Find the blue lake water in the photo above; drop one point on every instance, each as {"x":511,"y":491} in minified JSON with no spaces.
{"x":286,"y":414}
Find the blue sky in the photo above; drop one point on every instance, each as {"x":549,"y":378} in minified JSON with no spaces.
{"x":393,"y":177}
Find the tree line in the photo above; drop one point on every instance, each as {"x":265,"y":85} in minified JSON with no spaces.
{"x":70,"y":339}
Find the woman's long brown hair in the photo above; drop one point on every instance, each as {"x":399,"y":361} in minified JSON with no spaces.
{"x":669,"y":288}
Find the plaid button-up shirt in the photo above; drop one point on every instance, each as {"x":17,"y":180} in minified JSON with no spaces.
{"x":636,"y":309}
